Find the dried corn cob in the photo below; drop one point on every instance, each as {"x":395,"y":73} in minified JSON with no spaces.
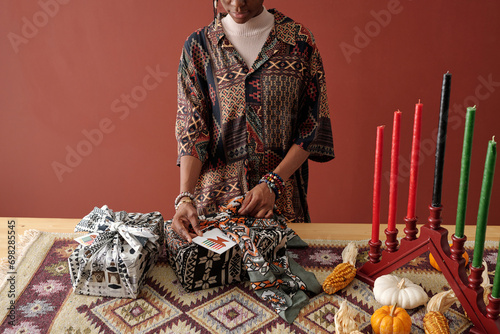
{"x":434,"y":321}
{"x":343,"y":273}
{"x":486,"y":284}
{"x":344,"y":319}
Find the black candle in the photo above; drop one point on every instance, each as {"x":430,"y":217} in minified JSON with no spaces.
{"x":441,"y":140}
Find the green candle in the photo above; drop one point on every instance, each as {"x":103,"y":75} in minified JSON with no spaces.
{"x":495,"y":292}
{"x":484,"y":203}
{"x":464,"y":172}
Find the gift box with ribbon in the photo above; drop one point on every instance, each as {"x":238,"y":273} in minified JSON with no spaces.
{"x":199,"y":268}
{"x":260,"y":255}
{"x":117,"y":255}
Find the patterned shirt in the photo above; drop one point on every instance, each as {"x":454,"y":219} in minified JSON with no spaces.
{"x":240,"y":122}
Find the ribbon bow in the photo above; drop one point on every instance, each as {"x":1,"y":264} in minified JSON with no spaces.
{"x":130,"y":234}
{"x":108,"y":224}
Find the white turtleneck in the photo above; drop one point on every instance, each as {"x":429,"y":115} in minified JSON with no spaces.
{"x":248,"y":38}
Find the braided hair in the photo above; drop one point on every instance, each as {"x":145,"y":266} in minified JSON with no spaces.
{"x":216,"y":4}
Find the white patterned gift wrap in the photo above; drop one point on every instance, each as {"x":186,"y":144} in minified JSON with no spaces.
{"x":121,"y":256}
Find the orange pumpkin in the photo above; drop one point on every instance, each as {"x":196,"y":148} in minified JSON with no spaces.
{"x":434,"y":264}
{"x":391,"y":320}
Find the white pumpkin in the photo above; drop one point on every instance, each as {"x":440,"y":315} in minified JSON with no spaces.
{"x":392,"y":290}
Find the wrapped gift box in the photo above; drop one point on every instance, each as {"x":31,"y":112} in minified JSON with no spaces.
{"x":260,"y":254}
{"x":198,"y":268}
{"x":124,"y":250}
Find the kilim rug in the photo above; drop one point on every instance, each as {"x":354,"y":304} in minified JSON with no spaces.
{"x":44,"y":302}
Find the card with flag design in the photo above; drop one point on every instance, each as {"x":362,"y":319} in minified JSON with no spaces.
{"x":215,"y":240}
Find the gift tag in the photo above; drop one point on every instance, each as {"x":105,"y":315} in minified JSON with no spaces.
{"x":215,"y":240}
{"x":87,"y":239}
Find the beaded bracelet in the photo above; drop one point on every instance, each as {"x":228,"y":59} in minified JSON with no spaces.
{"x":178,"y":201}
{"x":274,"y":183}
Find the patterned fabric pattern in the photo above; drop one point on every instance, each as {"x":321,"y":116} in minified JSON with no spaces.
{"x":45,"y":302}
{"x":198,"y":268}
{"x":260,"y":255}
{"x":116,"y":263}
{"x":240,"y":122}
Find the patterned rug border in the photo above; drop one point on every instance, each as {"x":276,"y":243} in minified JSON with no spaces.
{"x":22,"y":246}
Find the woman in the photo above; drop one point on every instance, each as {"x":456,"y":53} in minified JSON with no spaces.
{"x":252,"y":109}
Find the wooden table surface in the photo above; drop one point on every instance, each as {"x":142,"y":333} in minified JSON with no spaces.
{"x":305,"y":231}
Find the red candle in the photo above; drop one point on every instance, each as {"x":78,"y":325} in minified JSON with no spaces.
{"x":415,"y":154}
{"x":393,"y":184}
{"x":377,"y":178}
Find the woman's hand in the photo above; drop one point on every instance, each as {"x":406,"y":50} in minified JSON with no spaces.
{"x":258,"y":202}
{"x":184,"y":216}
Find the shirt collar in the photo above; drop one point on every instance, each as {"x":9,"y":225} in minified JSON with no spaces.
{"x":281,"y":30}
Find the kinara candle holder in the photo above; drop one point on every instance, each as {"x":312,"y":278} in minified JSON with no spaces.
{"x":434,"y":238}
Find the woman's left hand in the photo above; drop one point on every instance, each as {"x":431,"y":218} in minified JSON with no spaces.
{"x":258,"y":202}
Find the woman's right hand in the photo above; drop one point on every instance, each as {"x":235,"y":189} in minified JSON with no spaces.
{"x":184,"y":216}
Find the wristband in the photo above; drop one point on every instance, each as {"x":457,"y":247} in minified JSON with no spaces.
{"x":180,"y":199}
{"x":274,"y":183}
{"x":184,"y":200}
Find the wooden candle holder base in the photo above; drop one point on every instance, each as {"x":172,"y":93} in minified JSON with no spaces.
{"x":375,"y":251}
{"x":434,"y":238}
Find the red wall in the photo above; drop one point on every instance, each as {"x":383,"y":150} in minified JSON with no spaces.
{"x":77,"y":69}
